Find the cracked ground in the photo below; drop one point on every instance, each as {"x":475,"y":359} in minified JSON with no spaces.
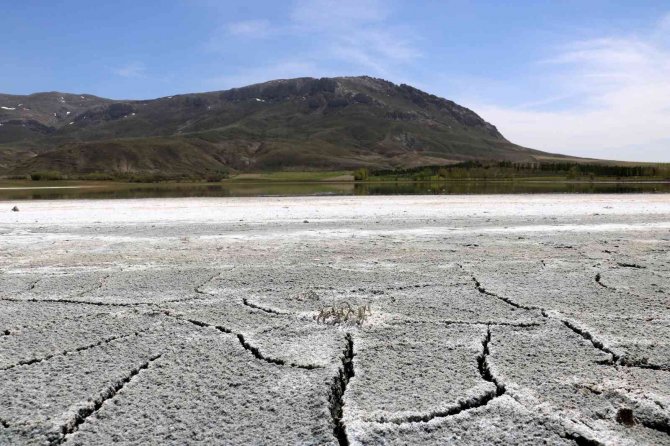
{"x":492,"y":320}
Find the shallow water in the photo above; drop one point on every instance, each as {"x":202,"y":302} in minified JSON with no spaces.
{"x":98,"y":190}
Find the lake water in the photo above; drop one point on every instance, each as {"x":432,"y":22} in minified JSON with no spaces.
{"x":97,"y":190}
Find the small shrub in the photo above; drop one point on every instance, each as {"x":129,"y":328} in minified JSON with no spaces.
{"x":216,"y":177}
{"x":361,"y":174}
{"x":47,"y":175}
{"x":344,"y":314}
{"x":97,"y":176}
{"x":142,"y":177}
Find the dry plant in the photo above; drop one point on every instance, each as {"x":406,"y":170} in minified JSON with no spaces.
{"x":344,"y":313}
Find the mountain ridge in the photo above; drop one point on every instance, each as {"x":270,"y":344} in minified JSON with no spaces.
{"x":285,"y":124}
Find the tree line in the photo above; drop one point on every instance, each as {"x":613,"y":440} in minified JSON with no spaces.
{"x":509,"y":169}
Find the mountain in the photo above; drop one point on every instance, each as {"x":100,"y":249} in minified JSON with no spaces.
{"x":304,"y":123}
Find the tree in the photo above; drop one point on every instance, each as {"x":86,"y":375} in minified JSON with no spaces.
{"x":361,"y":174}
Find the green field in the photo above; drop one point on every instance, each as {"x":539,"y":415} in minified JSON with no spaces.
{"x":339,"y":176}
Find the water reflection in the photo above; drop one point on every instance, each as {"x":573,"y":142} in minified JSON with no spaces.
{"x":507,"y":187}
{"x":165,"y":190}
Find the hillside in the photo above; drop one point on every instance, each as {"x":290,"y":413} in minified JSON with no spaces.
{"x":304,"y":123}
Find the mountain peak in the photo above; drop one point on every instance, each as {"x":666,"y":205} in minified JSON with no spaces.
{"x":300,"y":123}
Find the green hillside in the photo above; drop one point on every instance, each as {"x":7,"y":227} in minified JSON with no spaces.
{"x":296,"y":124}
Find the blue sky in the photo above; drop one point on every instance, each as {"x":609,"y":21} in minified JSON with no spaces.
{"x":584,"y":77}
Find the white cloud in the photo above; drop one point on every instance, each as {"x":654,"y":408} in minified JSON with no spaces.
{"x":355,"y":32}
{"x":352,"y":34}
{"x":249,"y":28}
{"x":320,"y":14}
{"x":664,"y":24}
{"x":622,"y":111}
{"x":132,"y":70}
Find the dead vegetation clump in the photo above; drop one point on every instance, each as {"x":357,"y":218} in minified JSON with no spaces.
{"x":344,"y":314}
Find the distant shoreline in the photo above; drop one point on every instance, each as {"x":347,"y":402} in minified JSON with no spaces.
{"x":81,"y":184}
{"x":21,"y":190}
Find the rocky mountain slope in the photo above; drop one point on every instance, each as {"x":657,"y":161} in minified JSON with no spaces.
{"x":304,"y":123}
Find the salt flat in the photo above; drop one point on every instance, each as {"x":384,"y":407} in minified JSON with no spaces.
{"x":507,"y":319}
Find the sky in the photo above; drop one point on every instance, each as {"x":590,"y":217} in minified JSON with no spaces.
{"x":580,"y":77}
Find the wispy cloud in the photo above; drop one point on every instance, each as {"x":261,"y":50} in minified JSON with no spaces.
{"x":664,"y":25}
{"x":344,"y":36}
{"x":320,"y":14}
{"x":131,"y":70}
{"x":249,"y":28}
{"x":623,"y":111}
{"x":358,"y":32}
